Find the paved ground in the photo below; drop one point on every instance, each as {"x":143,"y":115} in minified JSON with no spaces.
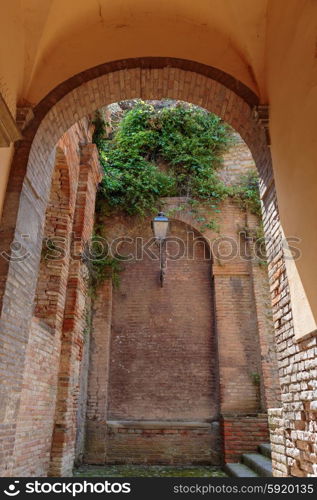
{"x":147,"y":471}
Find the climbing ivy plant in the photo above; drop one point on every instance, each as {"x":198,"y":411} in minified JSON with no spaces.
{"x":155,"y":153}
{"x":101,"y":266}
{"x":246,"y":192}
{"x":190,"y":142}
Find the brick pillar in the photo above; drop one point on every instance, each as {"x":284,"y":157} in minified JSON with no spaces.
{"x":99,"y":375}
{"x":244,"y":426}
{"x":53,"y":273}
{"x":237,"y":341}
{"x":37,"y":400}
{"x":64,"y":435}
{"x":21,"y":235}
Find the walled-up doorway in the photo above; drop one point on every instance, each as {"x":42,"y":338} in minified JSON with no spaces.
{"x":163,"y":396}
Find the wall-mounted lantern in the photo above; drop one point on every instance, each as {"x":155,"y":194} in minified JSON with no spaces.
{"x":160,"y":225}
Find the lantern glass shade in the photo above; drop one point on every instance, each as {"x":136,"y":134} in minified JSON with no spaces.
{"x":160,"y":226}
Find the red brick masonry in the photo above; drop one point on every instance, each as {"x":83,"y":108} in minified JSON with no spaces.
{"x":163,"y":443}
{"x":243,"y":433}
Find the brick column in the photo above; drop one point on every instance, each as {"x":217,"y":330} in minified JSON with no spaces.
{"x":237,"y":341}
{"x":99,"y":375}
{"x":64,"y":435}
{"x":21,"y":236}
{"x":244,"y":426}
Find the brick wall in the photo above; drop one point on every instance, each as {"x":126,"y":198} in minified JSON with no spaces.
{"x":239,"y":353}
{"x":37,"y":406}
{"x":97,"y":400}
{"x":138,"y":349}
{"x":236,"y":161}
{"x":277,"y":439}
{"x":163,"y":443}
{"x":244,"y":433}
{"x":80,"y":440}
{"x":163,"y":362}
{"x":293,"y":426}
{"x":32,"y":452}
{"x":155,"y":338}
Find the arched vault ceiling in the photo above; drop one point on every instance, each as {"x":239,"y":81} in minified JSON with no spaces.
{"x":63,"y":37}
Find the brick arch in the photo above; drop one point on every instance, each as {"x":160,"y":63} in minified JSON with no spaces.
{"x":33,"y":163}
{"x":199,"y":239}
{"x":148,"y":78}
{"x":59,"y":110}
{"x":193,"y":225}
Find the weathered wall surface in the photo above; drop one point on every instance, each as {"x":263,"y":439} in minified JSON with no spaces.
{"x":75,"y":318}
{"x":171,"y":442}
{"x":293,"y":426}
{"x":163,"y":351}
{"x":37,"y":408}
{"x":83,"y":390}
{"x":244,"y":433}
{"x":163,"y":357}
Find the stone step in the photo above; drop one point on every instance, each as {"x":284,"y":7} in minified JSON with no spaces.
{"x":260,"y":464}
{"x":265,"y":449}
{"x":239,"y":470}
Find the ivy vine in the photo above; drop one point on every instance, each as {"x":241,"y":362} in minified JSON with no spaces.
{"x":188,"y":140}
{"x":155,"y":153}
{"x":246,"y":193}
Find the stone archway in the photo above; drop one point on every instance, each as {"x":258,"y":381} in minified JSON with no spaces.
{"x":32,"y":167}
